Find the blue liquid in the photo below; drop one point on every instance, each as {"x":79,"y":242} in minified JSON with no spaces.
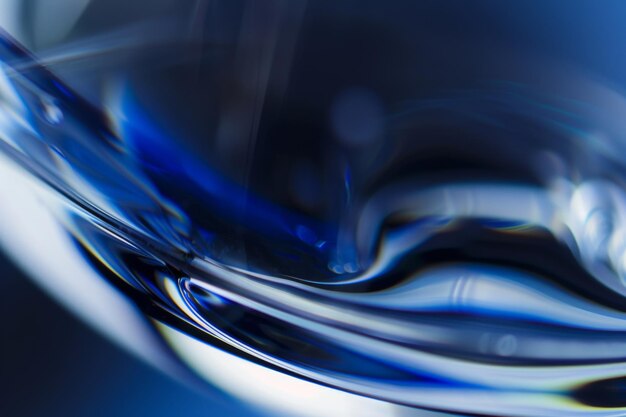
{"x":462,"y":253}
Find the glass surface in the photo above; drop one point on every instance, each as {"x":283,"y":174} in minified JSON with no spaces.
{"x":352,"y":208}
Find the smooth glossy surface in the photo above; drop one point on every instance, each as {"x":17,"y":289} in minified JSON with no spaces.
{"x":461,"y":252}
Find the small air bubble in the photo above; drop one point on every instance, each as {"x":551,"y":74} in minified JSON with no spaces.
{"x":51,"y":112}
{"x":506,"y":345}
{"x":357,"y":117}
{"x":336,"y":268}
{"x":306,"y":235}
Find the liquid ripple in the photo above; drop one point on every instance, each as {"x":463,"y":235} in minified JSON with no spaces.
{"x":501,"y":285}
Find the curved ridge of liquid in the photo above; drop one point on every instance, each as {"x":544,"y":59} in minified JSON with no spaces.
{"x":510,"y":293}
